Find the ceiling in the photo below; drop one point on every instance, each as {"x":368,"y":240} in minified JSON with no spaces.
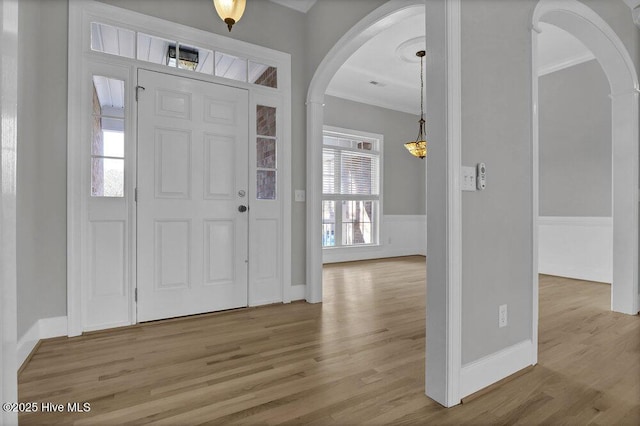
{"x":388,"y":59}
{"x":557,"y":49}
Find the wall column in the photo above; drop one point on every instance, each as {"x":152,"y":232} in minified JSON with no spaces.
{"x":8,"y":163}
{"x":315,"y":120}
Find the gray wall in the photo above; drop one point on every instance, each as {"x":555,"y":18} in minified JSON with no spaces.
{"x":42,"y":161}
{"x":575,"y":142}
{"x":404,"y":175}
{"x":496,"y":130}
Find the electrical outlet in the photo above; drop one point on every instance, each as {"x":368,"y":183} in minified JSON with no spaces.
{"x":502,"y":316}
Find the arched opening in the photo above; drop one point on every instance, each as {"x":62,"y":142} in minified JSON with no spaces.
{"x":592,"y":31}
{"x":377,"y":21}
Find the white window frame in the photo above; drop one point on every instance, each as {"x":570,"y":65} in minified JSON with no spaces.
{"x":341,"y":253}
{"x":83,"y":63}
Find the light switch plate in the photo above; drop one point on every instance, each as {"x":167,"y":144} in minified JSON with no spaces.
{"x":300,"y":195}
{"x":468,"y":179}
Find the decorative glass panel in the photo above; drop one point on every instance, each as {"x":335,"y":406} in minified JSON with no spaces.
{"x":266,"y":185}
{"x":112,"y":40}
{"x":154,"y":49}
{"x":357,"y":222}
{"x":266,"y":153}
{"x":265,"y":121}
{"x":263,"y":75}
{"x":107,"y":177}
{"x":229,"y":66}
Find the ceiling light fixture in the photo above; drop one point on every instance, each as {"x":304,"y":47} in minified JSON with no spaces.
{"x":418,"y":148}
{"x":230,"y":11}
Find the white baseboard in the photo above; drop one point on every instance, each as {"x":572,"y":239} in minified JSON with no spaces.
{"x":401,"y":235}
{"x":492,"y":368}
{"x":43,"y":329}
{"x":298,"y":292}
{"x":576,"y":247}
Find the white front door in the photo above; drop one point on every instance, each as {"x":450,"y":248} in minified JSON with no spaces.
{"x":192,"y":179}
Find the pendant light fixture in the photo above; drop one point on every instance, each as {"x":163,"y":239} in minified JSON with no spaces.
{"x":230,"y":11}
{"x":418,"y":148}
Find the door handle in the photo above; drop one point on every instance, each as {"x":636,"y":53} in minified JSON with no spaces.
{"x":242,"y":209}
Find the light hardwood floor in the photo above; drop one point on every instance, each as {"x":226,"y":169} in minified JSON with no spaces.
{"x":357,"y":358}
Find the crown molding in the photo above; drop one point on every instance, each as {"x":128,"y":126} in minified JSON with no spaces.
{"x":576,"y":60}
{"x":634,"y":5}
{"x":299,"y":5}
{"x":372,"y":101}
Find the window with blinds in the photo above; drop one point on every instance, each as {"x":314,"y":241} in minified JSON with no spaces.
{"x":350,"y":189}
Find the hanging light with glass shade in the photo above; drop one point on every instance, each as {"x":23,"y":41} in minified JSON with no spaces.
{"x":418,"y":148}
{"x":230,"y":11}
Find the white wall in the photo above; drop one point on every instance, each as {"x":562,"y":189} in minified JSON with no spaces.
{"x":576,"y":247}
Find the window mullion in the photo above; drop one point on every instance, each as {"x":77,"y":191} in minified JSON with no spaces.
{"x":338,"y":227}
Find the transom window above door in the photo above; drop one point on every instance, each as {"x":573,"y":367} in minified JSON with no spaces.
{"x":123,"y":42}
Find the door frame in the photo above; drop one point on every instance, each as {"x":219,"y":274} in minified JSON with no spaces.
{"x":586,"y":25}
{"x":82,"y":60}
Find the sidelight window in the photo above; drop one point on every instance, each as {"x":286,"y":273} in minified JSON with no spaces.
{"x":107,"y":137}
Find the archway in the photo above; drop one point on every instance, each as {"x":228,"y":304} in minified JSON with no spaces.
{"x":385,"y":16}
{"x":443,"y":107}
{"x":588,"y":27}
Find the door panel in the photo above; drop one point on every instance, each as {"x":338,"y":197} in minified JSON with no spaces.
{"x":192,"y":163}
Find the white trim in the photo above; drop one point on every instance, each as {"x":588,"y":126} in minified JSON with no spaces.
{"x":576,"y":247}
{"x":586,"y":25}
{"x":454,"y":202}
{"x":44,"y":328}
{"x":589,"y":221}
{"x":8,"y":193}
{"x":82,"y":12}
{"x":535,"y":193}
{"x":577,"y":60}
{"x":490,"y":369}
{"x":298,"y":292}
{"x":372,"y":101}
